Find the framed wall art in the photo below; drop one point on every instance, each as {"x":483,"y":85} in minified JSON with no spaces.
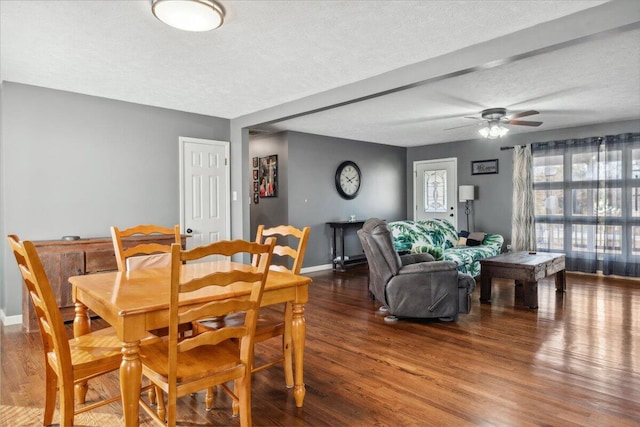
{"x":269,"y":176}
{"x":484,"y":167}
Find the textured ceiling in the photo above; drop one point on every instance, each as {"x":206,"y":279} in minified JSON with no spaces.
{"x":269,"y":53}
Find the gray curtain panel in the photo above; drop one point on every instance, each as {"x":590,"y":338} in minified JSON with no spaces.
{"x":587,"y":202}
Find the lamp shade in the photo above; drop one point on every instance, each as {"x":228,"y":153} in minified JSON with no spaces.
{"x":466,"y":192}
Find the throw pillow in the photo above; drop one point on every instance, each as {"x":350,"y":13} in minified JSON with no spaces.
{"x":437,"y":253}
{"x":475,"y":238}
{"x":462,"y":241}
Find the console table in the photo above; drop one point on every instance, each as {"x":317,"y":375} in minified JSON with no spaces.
{"x":339,"y":259}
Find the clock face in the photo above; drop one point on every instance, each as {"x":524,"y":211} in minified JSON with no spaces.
{"x":348,"y":179}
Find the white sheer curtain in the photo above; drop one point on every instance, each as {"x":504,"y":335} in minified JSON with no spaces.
{"x":523,"y":231}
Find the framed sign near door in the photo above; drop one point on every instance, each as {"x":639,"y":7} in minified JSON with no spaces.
{"x":484,"y":167}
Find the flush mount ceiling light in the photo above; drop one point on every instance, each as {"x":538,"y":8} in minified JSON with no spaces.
{"x":189,"y":15}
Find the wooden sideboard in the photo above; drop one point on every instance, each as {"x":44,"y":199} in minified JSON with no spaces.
{"x":62,"y":259}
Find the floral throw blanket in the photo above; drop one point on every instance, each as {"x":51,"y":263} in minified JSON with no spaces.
{"x":440,"y":238}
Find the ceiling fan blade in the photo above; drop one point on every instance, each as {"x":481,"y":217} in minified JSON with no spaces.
{"x":458,"y":127}
{"x":422,"y":119}
{"x":553,"y":96}
{"x":473,"y":118}
{"x":456,"y":100}
{"x":523,"y":123}
{"x":524,"y":114}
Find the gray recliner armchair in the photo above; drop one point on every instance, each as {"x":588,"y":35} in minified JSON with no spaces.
{"x":413,"y":285}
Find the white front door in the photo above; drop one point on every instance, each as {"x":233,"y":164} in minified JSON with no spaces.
{"x":434,"y":189}
{"x":204,"y":190}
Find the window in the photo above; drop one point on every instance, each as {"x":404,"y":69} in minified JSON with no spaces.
{"x":435,"y":191}
{"x":587,"y":202}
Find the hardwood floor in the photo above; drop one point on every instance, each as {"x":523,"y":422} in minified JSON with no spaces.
{"x":574,"y":361}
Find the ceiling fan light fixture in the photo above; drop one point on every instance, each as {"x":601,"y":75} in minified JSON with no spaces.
{"x":493,"y":130}
{"x":189,"y":15}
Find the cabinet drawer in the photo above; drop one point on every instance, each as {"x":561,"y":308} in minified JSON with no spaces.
{"x":98,"y":261}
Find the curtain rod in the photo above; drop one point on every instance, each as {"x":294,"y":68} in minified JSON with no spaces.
{"x":511,"y":147}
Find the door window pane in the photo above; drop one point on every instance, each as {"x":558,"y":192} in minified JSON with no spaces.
{"x":549,"y":236}
{"x":610,"y":239}
{"x":611,"y":168}
{"x":435,"y":191}
{"x":635,"y":164}
{"x":610,"y":202}
{"x":549,"y":202}
{"x":635,"y":240}
{"x":584,"y":166}
{"x":548,"y":169}
{"x":583,"y":237}
{"x":582,"y":202}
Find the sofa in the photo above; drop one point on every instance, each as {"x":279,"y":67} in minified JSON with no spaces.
{"x":413,"y":285}
{"x":439,"y":238}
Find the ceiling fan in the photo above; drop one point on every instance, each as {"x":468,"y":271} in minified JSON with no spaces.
{"x":495,"y":119}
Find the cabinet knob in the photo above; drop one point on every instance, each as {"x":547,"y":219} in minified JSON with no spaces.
{"x":189,"y":231}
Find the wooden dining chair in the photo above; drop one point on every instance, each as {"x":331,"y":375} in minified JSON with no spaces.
{"x":291,"y":244}
{"x":216,"y":356}
{"x":143,"y":255}
{"x":69,"y":362}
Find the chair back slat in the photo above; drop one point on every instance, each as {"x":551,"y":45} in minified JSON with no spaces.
{"x":215,"y":308}
{"x":220,"y":279}
{"x":212,"y":337}
{"x":144,"y":249}
{"x":293,"y":254}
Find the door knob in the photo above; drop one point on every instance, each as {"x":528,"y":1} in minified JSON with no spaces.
{"x":189,"y":231}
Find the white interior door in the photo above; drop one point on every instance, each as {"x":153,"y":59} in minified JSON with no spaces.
{"x":204,"y":190}
{"x":434,"y":189}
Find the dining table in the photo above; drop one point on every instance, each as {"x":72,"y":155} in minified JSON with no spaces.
{"x":137,"y":301}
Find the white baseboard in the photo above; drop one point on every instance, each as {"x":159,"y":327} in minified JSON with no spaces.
{"x":10,"y":320}
{"x":316,"y":268}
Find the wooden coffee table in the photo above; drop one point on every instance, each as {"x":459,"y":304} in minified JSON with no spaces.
{"x":525,"y":268}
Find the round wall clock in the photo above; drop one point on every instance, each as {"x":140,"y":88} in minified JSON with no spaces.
{"x":348,"y":179}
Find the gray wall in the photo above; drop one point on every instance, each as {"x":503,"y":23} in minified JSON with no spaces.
{"x":492,"y":209}
{"x":77,"y":164}
{"x":314,"y":200}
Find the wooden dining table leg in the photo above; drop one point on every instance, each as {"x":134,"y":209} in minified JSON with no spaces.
{"x":130,"y":381}
{"x":81,"y":326}
{"x":298,"y":331}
